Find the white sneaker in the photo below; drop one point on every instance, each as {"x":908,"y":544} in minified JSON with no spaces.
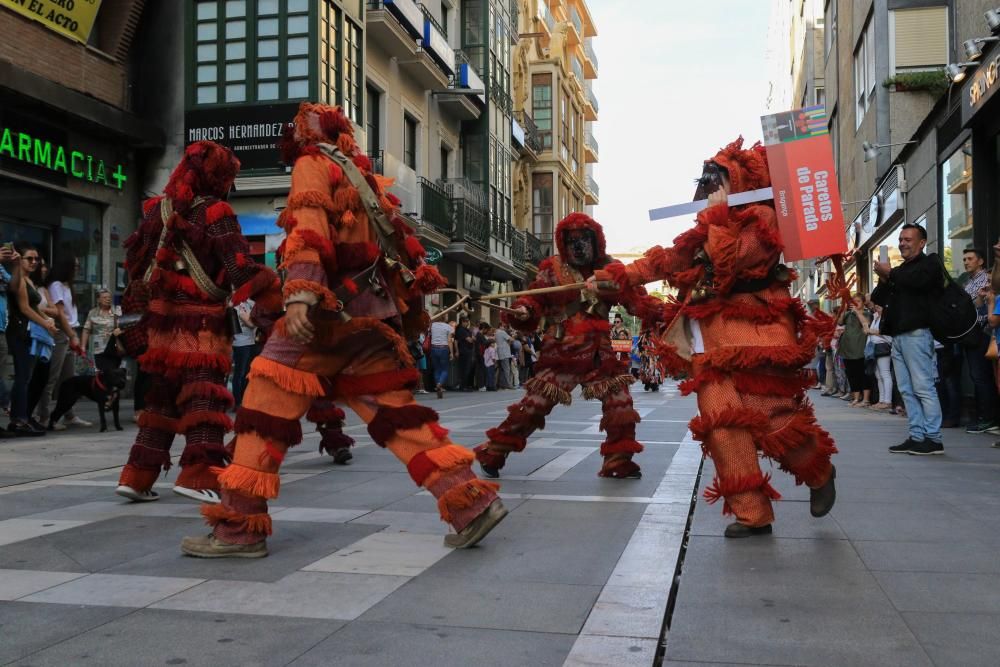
{"x":136,"y":496}
{"x":76,"y":421}
{"x":59,"y":426}
{"x":201,"y":495}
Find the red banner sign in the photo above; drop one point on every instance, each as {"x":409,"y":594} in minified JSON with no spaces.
{"x":804,"y":182}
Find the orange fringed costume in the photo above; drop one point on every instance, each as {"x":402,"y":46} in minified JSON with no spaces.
{"x":576,"y":350}
{"x":188,"y":348}
{"x":757,"y":337}
{"x":361,"y":360}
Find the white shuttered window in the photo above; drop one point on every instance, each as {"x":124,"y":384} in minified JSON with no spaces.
{"x":919,"y":38}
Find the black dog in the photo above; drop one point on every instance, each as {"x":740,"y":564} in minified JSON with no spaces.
{"x":104,"y":388}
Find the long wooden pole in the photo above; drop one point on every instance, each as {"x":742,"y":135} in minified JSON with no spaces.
{"x":530,"y":292}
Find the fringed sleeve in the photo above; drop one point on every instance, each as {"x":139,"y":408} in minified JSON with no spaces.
{"x":309,"y":248}
{"x":536,"y":305}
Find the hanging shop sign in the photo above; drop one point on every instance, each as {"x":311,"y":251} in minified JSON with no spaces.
{"x":72,"y":18}
{"x":433,"y":256}
{"x":39,"y":152}
{"x":804,"y":183}
{"x":251,"y":132}
{"x":983,"y":83}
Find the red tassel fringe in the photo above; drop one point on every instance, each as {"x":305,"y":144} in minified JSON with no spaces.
{"x":388,"y":420}
{"x":269,"y":427}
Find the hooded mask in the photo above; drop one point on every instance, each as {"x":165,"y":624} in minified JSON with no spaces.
{"x":747,"y":169}
{"x":206,"y":170}
{"x":581,"y":221}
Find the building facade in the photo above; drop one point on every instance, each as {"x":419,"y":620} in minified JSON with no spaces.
{"x":555,"y":109}
{"x":73,"y":141}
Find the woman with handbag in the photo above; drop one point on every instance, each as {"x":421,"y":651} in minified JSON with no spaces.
{"x":852,"y":350}
{"x":883,"y":360}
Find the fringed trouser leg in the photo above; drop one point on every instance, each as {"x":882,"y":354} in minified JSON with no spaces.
{"x":618,"y":422}
{"x":526,"y":416}
{"x":268,"y":424}
{"x":739,"y":417}
{"x":202,"y":404}
{"x":157,"y":425}
{"x":329,"y":420}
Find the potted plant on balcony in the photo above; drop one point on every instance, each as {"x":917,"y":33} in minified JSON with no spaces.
{"x":934,"y":82}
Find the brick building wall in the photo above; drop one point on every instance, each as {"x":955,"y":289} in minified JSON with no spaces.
{"x":30,"y":46}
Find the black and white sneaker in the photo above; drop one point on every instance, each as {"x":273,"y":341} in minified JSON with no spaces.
{"x":136,"y":496}
{"x":904,"y":447}
{"x":927,"y":448}
{"x":201,"y":495}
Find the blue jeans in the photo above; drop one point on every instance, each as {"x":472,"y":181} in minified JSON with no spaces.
{"x":491,"y":377}
{"x":440,"y":364}
{"x":913,"y":359}
{"x":242,"y":356}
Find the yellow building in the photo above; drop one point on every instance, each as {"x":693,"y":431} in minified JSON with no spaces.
{"x":553,"y":67}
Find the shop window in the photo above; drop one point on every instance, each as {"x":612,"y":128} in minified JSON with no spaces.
{"x":541,"y":107}
{"x":956,"y":206}
{"x":918,"y":39}
{"x":251,"y":51}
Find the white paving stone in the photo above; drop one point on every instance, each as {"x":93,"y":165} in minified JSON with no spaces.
{"x":327,"y":595}
{"x":623,"y":611}
{"x":405,"y":522}
{"x":315,"y":514}
{"x":18,"y":530}
{"x":401,"y":554}
{"x":600,"y":651}
{"x":16,"y":584}
{"x":114,"y":590}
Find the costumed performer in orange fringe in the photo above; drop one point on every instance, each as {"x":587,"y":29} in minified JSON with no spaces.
{"x":183,"y":262}
{"x":741,"y":340}
{"x":355,"y":286}
{"x":576,"y":350}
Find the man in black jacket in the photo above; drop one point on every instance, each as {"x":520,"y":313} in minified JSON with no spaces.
{"x":904,"y":292}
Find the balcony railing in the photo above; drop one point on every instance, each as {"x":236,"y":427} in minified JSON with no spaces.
{"x":592,"y":186}
{"x":546,"y":16}
{"x":378,"y":164}
{"x":435,"y":208}
{"x":531,"y":138}
{"x":517,"y":247}
{"x":591,"y":141}
{"x":463,"y":188}
{"x":434,"y":22}
{"x":539,"y":246}
{"x":574,"y":16}
{"x":578,"y":69}
{"x":471,"y":224}
{"x":588,"y":48}
{"x":592,"y":98}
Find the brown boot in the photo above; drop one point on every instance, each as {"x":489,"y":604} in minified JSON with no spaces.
{"x":821,"y":500}
{"x":210,"y":546}
{"x":479,"y":528}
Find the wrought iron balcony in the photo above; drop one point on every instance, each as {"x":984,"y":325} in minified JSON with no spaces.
{"x":531,"y":138}
{"x":518,"y":247}
{"x":539,"y":247}
{"x":434,"y":22}
{"x":471,"y":223}
{"x":435,"y":207}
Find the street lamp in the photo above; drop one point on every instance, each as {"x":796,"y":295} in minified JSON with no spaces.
{"x":993,"y":20}
{"x":972,"y":49}
{"x":956,"y":71}
{"x":871,"y":150}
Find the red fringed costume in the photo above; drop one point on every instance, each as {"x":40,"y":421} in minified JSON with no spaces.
{"x":188,"y":349}
{"x":358,"y":355}
{"x":576,"y":350}
{"x":757,"y":337}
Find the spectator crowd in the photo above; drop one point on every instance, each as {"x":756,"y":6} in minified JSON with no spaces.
{"x":883,"y":355}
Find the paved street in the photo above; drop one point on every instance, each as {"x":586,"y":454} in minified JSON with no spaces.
{"x":905,"y":571}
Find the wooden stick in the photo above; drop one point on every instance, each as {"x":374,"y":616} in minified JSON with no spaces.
{"x":449,"y":308}
{"x":530,"y":292}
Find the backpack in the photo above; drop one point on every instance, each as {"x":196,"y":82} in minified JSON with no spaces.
{"x":952,"y":313}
